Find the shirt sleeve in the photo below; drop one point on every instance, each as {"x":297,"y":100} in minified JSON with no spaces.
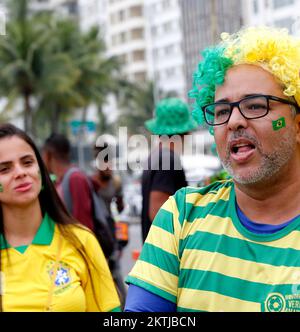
{"x":81,"y":200}
{"x":100,"y":291}
{"x":157,"y":269}
{"x":150,"y":303}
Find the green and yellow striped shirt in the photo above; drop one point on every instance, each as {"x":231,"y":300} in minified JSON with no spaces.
{"x":199,"y":256}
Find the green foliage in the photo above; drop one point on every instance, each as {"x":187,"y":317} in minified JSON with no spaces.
{"x":137,"y":103}
{"x":53,"y":67}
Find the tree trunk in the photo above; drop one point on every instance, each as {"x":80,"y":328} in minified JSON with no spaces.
{"x":27,"y":114}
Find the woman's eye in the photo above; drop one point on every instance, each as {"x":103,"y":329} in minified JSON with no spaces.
{"x":3,"y":169}
{"x":28,"y":162}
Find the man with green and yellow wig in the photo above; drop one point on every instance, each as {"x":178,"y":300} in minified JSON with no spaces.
{"x":235,"y":244}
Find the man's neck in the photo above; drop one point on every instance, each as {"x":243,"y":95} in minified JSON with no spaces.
{"x":274,"y":202}
{"x":60,"y":170}
{"x":21,"y":223}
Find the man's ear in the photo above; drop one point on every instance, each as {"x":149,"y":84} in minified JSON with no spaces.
{"x":297,"y":125}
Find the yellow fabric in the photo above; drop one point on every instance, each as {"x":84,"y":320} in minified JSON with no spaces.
{"x":27,"y":277}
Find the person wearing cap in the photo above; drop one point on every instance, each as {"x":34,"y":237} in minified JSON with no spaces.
{"x":235,"y":245}
{"x":163,"y":174}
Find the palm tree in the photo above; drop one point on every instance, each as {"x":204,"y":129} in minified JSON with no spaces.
{"x":27,"y":65}
{"x":95,"y":72}
{"x":137,"y":103}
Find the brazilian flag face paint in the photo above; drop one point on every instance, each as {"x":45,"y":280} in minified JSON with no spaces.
{"x":1,"y":188}
{"x":278,"y":124}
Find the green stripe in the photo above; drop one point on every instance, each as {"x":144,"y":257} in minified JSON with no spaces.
{"x":164,"y":220}
{"x":229,"y":286}
{"x":243,"y":249}
{"x":182,"y":309}
{"x":117,"y":309}
{"x":214,"y":187}
{"x":160,"y":258}
{"x":153,"y":289}
{"x":180,"y":198}
{"x":218,"y":209}
{"x":188,"y":210}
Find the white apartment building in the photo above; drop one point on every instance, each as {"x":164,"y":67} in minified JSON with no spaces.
{"x":87,"y":12}
{"x":64,"y":7}
{"x":125,"y":36}
{"x":164,"y":47}
{"x":279,"y":13}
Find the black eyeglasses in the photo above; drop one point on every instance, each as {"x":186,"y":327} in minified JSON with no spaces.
{"x":251,"y":107}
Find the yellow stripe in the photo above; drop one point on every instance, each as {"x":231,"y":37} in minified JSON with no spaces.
{"x":154,"y":276}
{"x":162,"y":239}
{"x":211,"y":301}
{"x":239,"y":268}
{"x":202,"y":200}
{"x":171,"y":206}
{"x":168,"y":205}
{"x":221,"y":226}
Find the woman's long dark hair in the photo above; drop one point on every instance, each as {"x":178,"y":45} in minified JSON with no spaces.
{"x":49,"y":199}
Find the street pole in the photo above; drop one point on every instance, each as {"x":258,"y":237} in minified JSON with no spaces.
{"x":80,"y":146}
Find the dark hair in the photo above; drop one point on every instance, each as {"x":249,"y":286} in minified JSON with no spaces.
{"x":59,"y":146}
{"x":49,"y":199}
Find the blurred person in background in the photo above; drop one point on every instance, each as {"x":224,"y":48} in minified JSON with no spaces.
{"x":108,"y":187}
{"x":48,"y":260}
{"x":163,"y":174}
{"x":56,"y":154}
{"x":234,"y":245}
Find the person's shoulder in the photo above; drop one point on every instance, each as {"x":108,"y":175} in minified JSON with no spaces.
{"x":200,"y":195}
{"x":78,"y":174}
{"x":84,"y":234}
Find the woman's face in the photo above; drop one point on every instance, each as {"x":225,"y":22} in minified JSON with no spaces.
{"x":20,"y":180}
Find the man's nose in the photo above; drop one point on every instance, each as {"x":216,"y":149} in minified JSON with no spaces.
{"x":237,"y":120}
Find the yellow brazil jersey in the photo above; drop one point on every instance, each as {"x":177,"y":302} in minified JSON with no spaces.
{"x":50,"y":274}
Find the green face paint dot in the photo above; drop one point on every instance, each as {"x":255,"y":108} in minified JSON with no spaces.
{"x":1,"y":188}
{"x":278,"y":124}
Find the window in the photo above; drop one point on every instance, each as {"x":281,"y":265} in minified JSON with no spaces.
{"x":137,"y":34}
{"x":140,"y":76}
{"x":136,"y":11}
{"x":122,"y":37}
{"x":121,"y":15}
{"x":282,"y":3}
{"x":138,"y":55}
{"x":287,"y":23}
{"x":154,"y":31}
{"x":167,"y":27}
{"x":169,"y":50}
{"x":169,"y":72}
{"x":255,"y":6}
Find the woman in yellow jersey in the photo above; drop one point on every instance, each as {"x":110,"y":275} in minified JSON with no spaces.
{"x":48,"y":261}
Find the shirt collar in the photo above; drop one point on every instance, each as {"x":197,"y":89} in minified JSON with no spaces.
{"x":43,"y":236}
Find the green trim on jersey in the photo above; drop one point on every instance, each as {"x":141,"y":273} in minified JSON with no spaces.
{"x":259,"y":237}
{"x":43,"y":236}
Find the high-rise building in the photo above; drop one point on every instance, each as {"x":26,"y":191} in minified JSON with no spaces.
{"x":87,"y":12}
{"x":64,"y":7}
{"x":164,"y":46}
{"x":279,"y":13}
{"x":202,"y":23}
{"x":125,"y":35}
